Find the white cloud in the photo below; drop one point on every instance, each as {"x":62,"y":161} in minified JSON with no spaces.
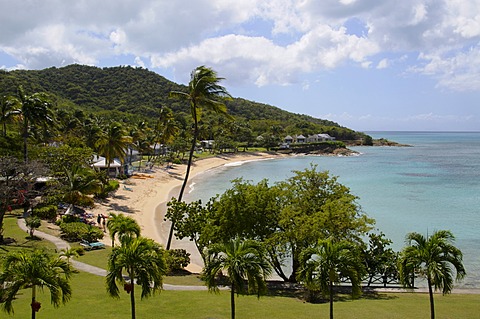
{"x":260,"y":41}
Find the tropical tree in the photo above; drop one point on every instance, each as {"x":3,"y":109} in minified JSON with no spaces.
{"x":70,"y":253}
{"x":326,"y":264}
{"x":122,"y":226}
{"x":144,"y":263}
{"x":33,"y":222}
{"x":25,"y":270}
{"x":242,"y":261}
{"x":431,"y":258}
{"x":34,"y":109}
{"x":17,"y":179}
{"x":113,"y":142}
{"x":79,"y":182}
{"x":204,"y":91}
{"x":314,"y":205}
{"x":7,"y":112}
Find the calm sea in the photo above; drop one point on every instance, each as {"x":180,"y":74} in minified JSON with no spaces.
{"x":435,"y":184}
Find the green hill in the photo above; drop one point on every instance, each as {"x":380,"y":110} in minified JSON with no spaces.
{"x":129,"y":92}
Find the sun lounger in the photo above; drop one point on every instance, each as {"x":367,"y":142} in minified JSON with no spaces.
{"x":128,"y":188}
{"x":92,"y":245}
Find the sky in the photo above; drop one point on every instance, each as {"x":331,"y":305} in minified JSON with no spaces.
{"x":368,"y":65}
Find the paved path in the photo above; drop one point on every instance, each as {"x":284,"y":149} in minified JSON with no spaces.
{"x":62,"y":244}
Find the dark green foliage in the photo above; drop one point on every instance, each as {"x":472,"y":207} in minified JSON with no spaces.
{"x":48,"y":212}
{"x":176,"y":259}
{"x":76,"y":231}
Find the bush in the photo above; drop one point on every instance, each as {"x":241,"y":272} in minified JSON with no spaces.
{"x":48,"y":212}
{"x":77,"y":231}
{"x":176,"y":259}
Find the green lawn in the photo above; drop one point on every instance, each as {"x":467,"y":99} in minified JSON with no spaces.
{"x":90,"y":299}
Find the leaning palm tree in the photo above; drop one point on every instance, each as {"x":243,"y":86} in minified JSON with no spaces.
{"x":204,"y":91}
{"x":122,"y":226}
{"x":144,"y":263}
{"x":326,"y":264}
{"x":431,"y":258}
{"x":23,"y":270}
{"x":242,"y":261}
{"x":34,"y":109}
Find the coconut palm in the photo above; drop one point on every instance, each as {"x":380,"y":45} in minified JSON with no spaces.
{"x":431,"y":258}
{"x":144,"y":263}
{"x":24,"y":270}
{"x":7,"y":112}
{"x":78,"y":183}
{"x":242,"y":261}
{"x":204,"y":91}
{"x":34,"y":110}
{"x":326,"y":264}
{"x":113,"y":142}
{"x":122,"y":226}
{"x":70,"y":253}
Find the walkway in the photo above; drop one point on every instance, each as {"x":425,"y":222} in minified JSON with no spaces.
{"x":62,"y":244}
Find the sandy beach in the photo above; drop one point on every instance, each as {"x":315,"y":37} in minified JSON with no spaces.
{"x":144,"y":196}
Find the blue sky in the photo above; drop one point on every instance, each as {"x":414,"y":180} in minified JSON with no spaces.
{"x":366,"y":64}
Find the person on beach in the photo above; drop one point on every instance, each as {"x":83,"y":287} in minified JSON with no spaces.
{"x":104,"y":224}
{"x":99,"y":220}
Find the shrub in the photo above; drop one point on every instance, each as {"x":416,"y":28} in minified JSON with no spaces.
{"x":48,"y":212}
{"x":33,"y":222}
{"x":77,"y":231}
{"x":176,"y":259}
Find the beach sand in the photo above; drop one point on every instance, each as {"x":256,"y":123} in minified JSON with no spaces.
{"x":144,"y":196}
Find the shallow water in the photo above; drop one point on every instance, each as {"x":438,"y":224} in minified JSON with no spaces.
{"x":433,"y":185}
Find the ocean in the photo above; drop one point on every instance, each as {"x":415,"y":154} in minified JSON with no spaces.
{"x":432,"y":185}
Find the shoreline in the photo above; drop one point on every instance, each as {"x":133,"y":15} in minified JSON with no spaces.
{"x":144,"y":196}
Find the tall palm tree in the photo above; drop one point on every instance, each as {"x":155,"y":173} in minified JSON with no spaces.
{"x":204,"y":91}
{"x":143,"y":261}
{"x":23,"y":270}
{"x":326,"y":264}
{"x":113,"y":142}
{"x":241,"y":260}
{"x":34,"y":109}
{"x":431,"y":258}
{"x":123,"y":226}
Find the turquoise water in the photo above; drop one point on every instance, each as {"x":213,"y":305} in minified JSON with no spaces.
{"x":435,"y":184}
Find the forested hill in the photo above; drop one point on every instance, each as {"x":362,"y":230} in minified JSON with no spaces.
{"x":141,"y":93}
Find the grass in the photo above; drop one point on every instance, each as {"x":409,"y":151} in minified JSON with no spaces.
{"x":90,"y":300}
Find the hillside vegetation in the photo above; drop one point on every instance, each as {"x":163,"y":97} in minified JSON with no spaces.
{"x":131,"y":94}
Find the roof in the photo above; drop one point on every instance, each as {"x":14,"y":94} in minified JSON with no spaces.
{"x":102,"y":163}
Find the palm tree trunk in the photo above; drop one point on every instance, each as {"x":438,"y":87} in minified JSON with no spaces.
{"x":232,"y":300}
{"x":132,"y":297}
{"x":34,"y":292}
{"x":187,"y":173}
{"x":331,"y":299}
{"x":430,"y":292}
{"x":25,"y":136}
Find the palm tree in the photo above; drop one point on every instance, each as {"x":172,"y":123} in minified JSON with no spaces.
{"x":113,"y":143}
{"x":241,"y":260}
{"x":23,"y":269}
{"x":34,"y":109}
{"x":123,"y":226}
{"x":80,"y":182}
{"x":204,"y":91}
{"x":431,"y":258}
{"x":143,"y":261}
{"x":7,"y":112}
{"x":70,"y":253}
{"x":327,"y":263}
